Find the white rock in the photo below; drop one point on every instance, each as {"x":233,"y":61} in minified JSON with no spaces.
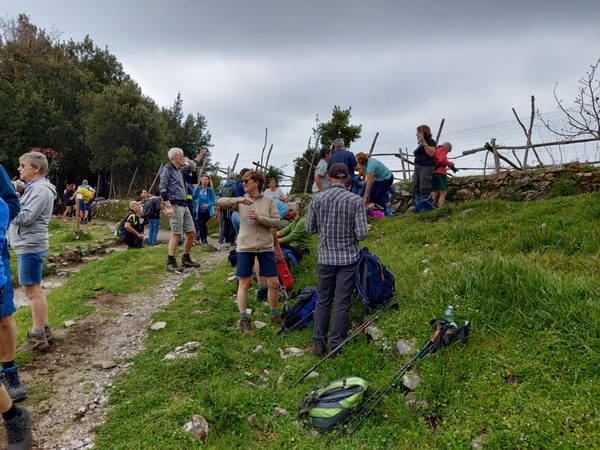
{"x":259,"y":325}
{"x":159,"y":325}
{"x":258,"y":349}
{"x":411,"y":382}
{"x":374,"y":332}
{"x":280,"y":412}
{"x":198,"y":427}
{"x":313,"y":374}
{"x":128,"y":314}
{"x":405,"y":347}
{"x":427,"y":271}
{"x":70,"y":323}
{"x":294,"y":351}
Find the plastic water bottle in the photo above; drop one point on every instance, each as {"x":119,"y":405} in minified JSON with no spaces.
{"x":449,"y":314}
{"x":250,"y":208}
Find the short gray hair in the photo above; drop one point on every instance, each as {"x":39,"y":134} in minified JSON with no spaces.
{"x":448,"y":145}
{"x":174,"y":152}
{"x":338,"y":143}
{"x":37,"y":160}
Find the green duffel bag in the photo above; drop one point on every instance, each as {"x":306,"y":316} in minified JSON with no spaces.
{"x":327,"y":405}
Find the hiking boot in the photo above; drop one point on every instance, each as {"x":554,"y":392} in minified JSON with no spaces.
{"x":18,"y":431}
{"x":33,"y":342}
{"x":172,"y":267}
{"x":204,"y":242}
{"x":187,"y":262}
{"x":10,"y":380}
{"x":49,"y":334}
{"x":319,"y":352}
{"x":246,"y":327}
{"x":278,"y":320}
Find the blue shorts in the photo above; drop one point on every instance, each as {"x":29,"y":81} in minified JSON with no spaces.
{"x":266,"y":261}
{"x":7,"y":304}
{"x":83,"y":206}
{"x":30,"y":268}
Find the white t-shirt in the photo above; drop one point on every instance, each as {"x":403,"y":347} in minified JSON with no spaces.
{"x":277,"y":195}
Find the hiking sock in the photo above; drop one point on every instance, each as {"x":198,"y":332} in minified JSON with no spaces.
{"x":8,"y":365}
{"x":171,"y":259}
{"x":11,"y":413}
{"x":274,"y":312}
{"x":243,"y":315}
{"x":186,"y":256}
{"x":37,"y":332}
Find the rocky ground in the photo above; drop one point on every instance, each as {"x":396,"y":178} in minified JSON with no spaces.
{"x":71,"y":377}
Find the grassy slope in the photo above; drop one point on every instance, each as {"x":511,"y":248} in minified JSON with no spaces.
{"x":527,"y":379}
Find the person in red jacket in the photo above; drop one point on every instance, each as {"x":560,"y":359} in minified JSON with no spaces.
{"x":439,"y":184}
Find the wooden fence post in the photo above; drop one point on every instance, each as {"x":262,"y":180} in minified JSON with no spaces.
{"x":373,"y":144}
{"x":496,"y":157}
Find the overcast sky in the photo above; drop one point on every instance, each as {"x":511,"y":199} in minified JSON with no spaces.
{"x":249,"y":65}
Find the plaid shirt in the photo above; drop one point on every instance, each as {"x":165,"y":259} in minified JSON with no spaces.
{"x":339,"y":217}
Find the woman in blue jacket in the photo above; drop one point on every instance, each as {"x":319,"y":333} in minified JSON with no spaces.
{"x":204,"y":202}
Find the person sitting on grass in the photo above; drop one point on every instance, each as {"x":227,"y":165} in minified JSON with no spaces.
{"x":294,"y":237}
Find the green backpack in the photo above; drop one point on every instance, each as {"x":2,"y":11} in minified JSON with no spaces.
{"x":329,"y":404}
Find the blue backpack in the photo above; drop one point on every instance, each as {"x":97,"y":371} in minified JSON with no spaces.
{"x":300,"y":314}
{"x":375,"y":284}
{"x":424,"y":204}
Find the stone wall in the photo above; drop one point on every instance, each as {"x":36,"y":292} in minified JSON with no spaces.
{"x":515,"y":185}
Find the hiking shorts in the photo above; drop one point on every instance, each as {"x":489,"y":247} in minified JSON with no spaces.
{"x":439,"y":182}
{"x":7,"y":294}
{"x":183,"y":222}
{"x":266,"y":262}
{"x":83,"y":206}
{"x":30,"y":268}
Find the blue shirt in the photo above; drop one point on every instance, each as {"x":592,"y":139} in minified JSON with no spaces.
{"x":3,"y":227}
{"x":343,"y":156}
{"x":380,"y":171}
{"x":338,"y":216}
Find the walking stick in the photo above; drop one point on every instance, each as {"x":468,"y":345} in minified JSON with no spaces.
{"x":355,"y":333}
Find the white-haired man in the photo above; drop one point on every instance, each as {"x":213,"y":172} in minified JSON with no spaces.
{"x":173,"y":190}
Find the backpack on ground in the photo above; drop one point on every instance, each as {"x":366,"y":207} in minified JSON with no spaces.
{"x":328,"y":405}
{"x":423,"y":204}
{"x":375,"y":284}
{"x":300,"y":314}
{"x":286,"y":279}
{"x":232,"y":257}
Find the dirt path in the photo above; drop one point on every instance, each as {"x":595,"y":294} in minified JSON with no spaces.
{"x":67,"y":384}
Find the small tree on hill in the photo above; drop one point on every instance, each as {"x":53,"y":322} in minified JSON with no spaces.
{"x":338,"y":127}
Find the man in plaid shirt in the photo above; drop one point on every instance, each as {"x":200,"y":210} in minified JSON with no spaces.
{"x":339,"y":218}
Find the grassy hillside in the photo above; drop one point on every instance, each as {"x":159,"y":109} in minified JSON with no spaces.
{"x":526,"y":275}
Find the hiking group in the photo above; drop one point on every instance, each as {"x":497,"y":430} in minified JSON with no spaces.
{"x":265,"y":232}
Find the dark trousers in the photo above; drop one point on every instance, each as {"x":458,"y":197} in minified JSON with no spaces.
{"x":422,"y":178}
{"x":334,"y":286}
{"x":298,"y":254}
{"x":379,"y":191}
{"x":201,"y":228}
{"x":228,"y":230}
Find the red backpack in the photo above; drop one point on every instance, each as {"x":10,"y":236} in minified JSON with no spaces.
{"x":286,"y":279}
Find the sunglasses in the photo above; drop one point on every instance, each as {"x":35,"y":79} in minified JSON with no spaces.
{"x":245,"y":181}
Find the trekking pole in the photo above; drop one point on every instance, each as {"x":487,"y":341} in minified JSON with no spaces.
{"x":361,"y":415}
{"x":355,"y":333}
{"x":440,"y":337}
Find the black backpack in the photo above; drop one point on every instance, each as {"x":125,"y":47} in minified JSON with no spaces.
{"x":300,"y":314}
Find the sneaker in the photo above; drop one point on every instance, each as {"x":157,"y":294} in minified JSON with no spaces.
{"x":49,"y":334}
{"x":187,"y":262}
{"x":10,"y":380}
{"x":18,"y":431}
{"x":261,"y":293}
{"x":33,"y":342}
{"x":278,"y":320}
{"x":172,"y":267}
{"x":246,"y":327}
{"x":319,"y":352}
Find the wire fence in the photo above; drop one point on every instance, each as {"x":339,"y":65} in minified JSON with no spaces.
{"x":464,"y":146}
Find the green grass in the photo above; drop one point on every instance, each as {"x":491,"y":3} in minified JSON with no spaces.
{"x":524,"y":274}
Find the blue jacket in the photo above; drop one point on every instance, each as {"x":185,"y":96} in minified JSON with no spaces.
{"x":206,"y":198}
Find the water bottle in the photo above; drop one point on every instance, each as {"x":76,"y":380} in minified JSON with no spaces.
{"x":186,"y":162}
{"x":250,"y":208}
{"x":449,"y":314}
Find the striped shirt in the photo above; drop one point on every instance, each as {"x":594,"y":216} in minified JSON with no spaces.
{"x":339,"y":217}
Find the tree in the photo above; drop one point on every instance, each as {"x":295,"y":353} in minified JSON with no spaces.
{"x":583,"y":119}
{"x":304,"y":170}
{"x":338,"y":127}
